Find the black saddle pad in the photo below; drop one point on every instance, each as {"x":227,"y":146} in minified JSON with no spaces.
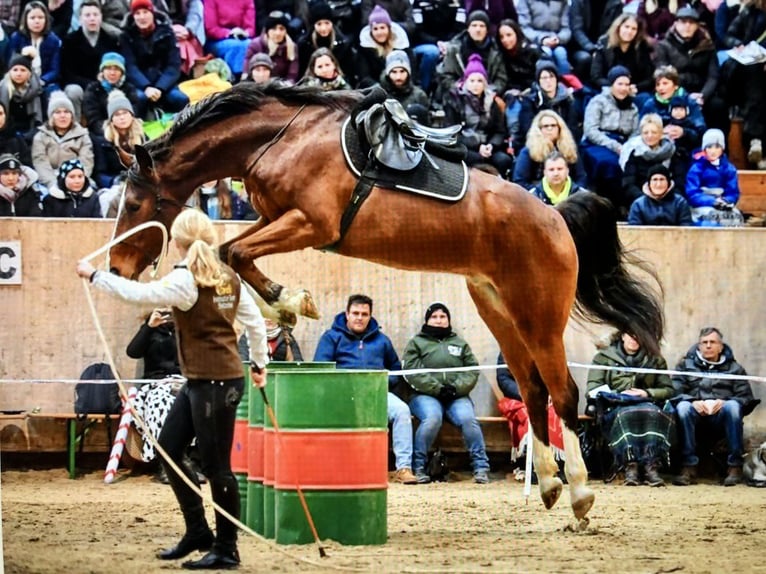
{"x":448,"y":183}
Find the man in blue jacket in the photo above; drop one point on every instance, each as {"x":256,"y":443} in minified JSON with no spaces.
{"x":355,"y":341}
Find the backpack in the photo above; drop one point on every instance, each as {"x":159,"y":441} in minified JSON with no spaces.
{"x":97,"y":398}
{"x":437,"y":467}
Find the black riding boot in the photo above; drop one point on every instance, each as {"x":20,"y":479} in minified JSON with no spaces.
{"x":197,"y":537}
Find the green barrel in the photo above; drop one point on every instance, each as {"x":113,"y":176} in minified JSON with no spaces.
{"x":334,"y":446}
{"x":255,"y":460}
{"x":269,"y":437}
{"x":239,"y":448}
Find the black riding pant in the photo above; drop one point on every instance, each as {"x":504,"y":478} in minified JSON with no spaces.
{"x":206,"y":410}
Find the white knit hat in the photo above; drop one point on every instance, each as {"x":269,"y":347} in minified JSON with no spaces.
{"x":118,"y":101}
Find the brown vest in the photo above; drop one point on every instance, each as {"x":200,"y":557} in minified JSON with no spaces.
{"x":207,"y":341}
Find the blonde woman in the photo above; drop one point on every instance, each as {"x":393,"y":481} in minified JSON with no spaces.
{"x":206,"y":296}
{"x":548,"y":133}
{"x":377,"y":40}
{"x":123,"y":131}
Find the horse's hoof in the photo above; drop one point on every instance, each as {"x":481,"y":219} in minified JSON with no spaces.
{"x":298,"y":303}
{"x":582,"y":501}
{"x":308,"y":307}
{"x":550,"y":491}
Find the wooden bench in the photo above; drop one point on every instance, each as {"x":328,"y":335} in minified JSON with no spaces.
{"x":752,"y":188}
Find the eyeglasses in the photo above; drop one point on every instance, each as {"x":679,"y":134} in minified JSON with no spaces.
{"x":548,"y":126}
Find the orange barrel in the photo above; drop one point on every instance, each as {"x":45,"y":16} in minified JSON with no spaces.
{"x":254,"y":514}
{"x":265,"y":512}
{"x":334,"y":445}
{"x":239,"y":445}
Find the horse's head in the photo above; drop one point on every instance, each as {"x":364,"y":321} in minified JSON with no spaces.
{"x":144,"y":200}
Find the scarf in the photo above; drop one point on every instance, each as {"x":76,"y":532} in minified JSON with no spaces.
{"x":436,"y":332}
{"x":636,"y":146}
{"x":555,"y":198}
{"x":623,"y":104}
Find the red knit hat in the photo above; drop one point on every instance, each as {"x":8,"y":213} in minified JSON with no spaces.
{"x":136,"y":5}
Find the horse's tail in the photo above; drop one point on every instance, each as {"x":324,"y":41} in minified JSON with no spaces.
{"x":607,"y":291}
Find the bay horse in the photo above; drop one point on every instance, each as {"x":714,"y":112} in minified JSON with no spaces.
{"x":527,"y":265}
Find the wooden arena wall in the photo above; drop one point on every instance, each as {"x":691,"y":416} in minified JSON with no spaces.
{"x":710,"y":277}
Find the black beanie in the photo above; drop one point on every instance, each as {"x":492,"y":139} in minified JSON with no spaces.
{"x":19,"y":60}
{"x":319,"y":10}
{"x":659,"y":169}
{"x":437,"y":305}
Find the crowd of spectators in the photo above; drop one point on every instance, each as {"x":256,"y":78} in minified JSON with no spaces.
{"x":629,"y":84}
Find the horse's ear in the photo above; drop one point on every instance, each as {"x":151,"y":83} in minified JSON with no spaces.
{"x":144,"y":160}
{"x":126,"y":159}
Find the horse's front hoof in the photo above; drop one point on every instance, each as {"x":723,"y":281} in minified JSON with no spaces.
{"x":308,"y":307}
{"x":582,"y":501}
{"x":550,"y":491}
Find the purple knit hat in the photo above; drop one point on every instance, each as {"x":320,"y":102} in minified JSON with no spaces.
{"x":475,"y":66}
{"x":379,"y":15}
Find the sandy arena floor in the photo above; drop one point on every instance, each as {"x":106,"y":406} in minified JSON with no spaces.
{"x":52,"y":525}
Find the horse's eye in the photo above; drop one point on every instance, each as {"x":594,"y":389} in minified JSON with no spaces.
{"x":133,"y":207}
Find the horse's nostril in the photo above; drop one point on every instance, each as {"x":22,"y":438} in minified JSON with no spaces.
{"x":114,"y":271}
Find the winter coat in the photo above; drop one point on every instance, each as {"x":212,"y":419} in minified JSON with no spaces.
{"x":107,"y":165}
{"x":96,"y":99}
{"x":342,"y":48}
{"x":157,"y":347}
{"x":506,"y":382}
{"x":497,"y":10}
{"x":370,"y":350}
{"x":671,"y":209}
{"x":49,"y":151}
{"x":704,"y":174}
{"x":24,"y":110}
{"x":455,"y":59}
{"x":28,"y":202}
{"x":11,"y":142}
{"x":223,"y":15}
{"x":658,"y":386}
{"x":690,"y":388}
{"x":695,"y":60}
{"x":539,"y":192}
{"x":399,"y":10}
{"x":637,"y":158}
{"x":407,"y":95}
{"x":60,"y":203}
{"x":638,"y":59}
{"x":284,"y":68}
{"x":520,"y":66}
{"x":441,"y":20}
{"x":370,"y":65}
{"x":424,"y":351}
{"x":694,"y":125}
{"x":479,"y":127}
{"x":541,"y":18}
{"x":536,"y":101}
{"x":80,"y":61}
{"x":50,"y":54}
{"x":528,"y":172}
{"x":153,"y":61}
{"x":747,"y":26}
{"x":604,"y":121}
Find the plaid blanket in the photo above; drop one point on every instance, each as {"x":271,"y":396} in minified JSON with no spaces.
{"x":641,"y":432}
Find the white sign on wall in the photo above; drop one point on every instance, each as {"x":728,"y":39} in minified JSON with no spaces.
{"x":10,"y":262}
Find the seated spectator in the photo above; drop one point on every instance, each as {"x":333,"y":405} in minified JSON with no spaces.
{"x":21,"y":95}
{"x":152,"y":59}
{"x":324,"y":34}
{"x":611,"y":118}
{"x":400,"y":12}
{"x":324,"y":72}
{"x":625,"y":45}
{"x":556,"y":185}
{"x":659,"y":16}
{"x":10,"y":141}
{"x":548,"y":133}
{"x":122,"y":133}
{"x":35,"y":40}
{"x":687,"y":135}
{"x":397,"y":81}
{"x":296,"y":11}
{"x":520,"y":57}
{"x":712,"y":402}
{"x":275,"y":42}
{"x":436,"y":23}
{"x":474,"y":40}
{"x":230,"y":27}
{"x":443,"y":395}
{"x":72,"y":195}
{"x":355,"y":341}
{"x":279,"y":338}
{"x":82,"y":52}
{"x":19,"y":191}
{"x":472,"y":103}
{"x":711,"y":185}
{"x":188,"y":21}
{"x":588,"y":20}
{"x":377,"y":40}
{"x":638,"y":430}
{"x":547,"y":93}
{"x":60,"y":139}
{"x":496,"y":11}
{"x":111,"y":77}
{"x":679,"y":116}
{"x":218,"y":201}
{"x":660,"y":204}
{"x":259,"y":68}
{"x":546,"y":23}
{"x":643,"y":151}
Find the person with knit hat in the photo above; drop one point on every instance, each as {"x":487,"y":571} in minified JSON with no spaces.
{"x":475,"y":39}
{"x":21,"y":94}
{"x":324,"y":33}
{"x":82,"y":51}
{"x":546,"y":23}
{"x":122,"y":132}
{"x":230,"y":26}
{"x":111,"y":77}
{"x":712,"y":187}
{"x":398,"y":11}
{"x":547,"y":92}
{"x":59,"y":140}
{"x":277,"y":43}
{"x":377,"y":40}
{"x":611,"y":118}
{"x":152,"y":59}
{"x":443,"y":395}
{"x":397,"y":82}
{"x":20,"y":194}
{"x":659,"y":204}
{"x":259,"y":68}
{"x":72,"y":195}
{"x":472,"y":103}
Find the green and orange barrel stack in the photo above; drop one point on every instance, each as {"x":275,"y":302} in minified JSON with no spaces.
{"x":239,"y":446}
{"x":333,"y":444}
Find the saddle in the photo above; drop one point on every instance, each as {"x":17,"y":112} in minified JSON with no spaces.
{"x":396,"y":140}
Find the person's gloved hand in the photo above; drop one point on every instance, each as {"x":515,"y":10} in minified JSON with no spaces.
{"x":447,"y":392}
{"x":721,"y":203}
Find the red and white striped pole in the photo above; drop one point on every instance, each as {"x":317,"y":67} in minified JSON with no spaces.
{"x":120,"y":437}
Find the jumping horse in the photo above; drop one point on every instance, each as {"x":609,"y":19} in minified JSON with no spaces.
{"x":527,"y":266}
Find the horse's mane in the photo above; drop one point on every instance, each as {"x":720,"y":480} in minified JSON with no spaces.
{"x":240,"y":99}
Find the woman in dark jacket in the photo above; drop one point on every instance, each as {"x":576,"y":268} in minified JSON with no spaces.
{"x":10,"y":141}
{"x":324,"y":34}
{"x":74,"y":196}
{"x":548,"y":93}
